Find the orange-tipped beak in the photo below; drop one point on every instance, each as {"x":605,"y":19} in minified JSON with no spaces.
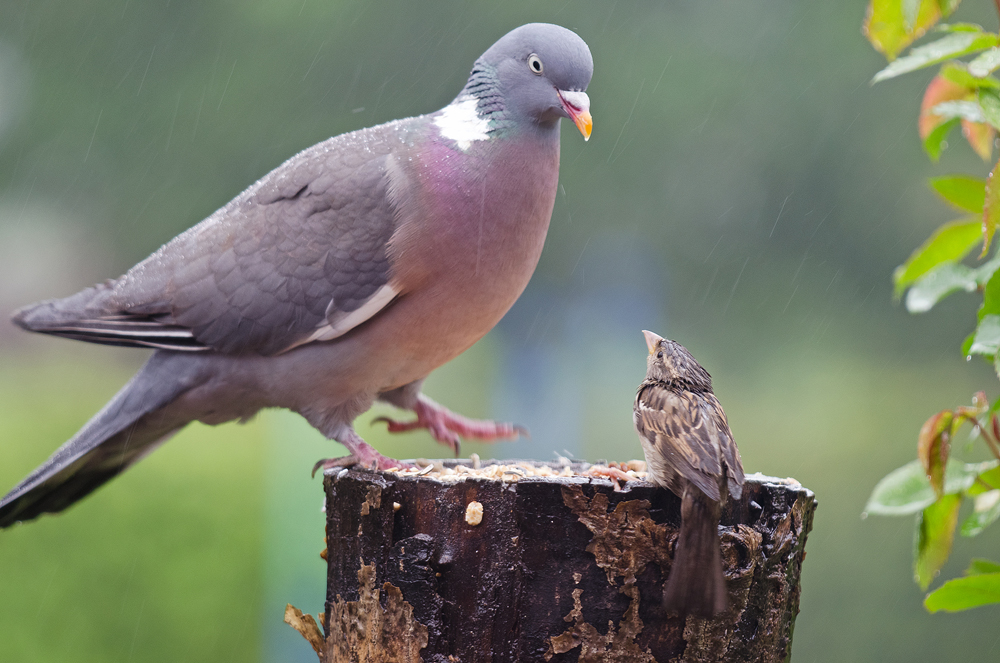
{"x":652,"y":340}
{"x":577,"y":105}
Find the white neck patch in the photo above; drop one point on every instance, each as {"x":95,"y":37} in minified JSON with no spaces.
{"x":460,"y":122}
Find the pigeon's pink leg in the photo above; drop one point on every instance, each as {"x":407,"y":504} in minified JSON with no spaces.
{"x":362,"y":453}
{"x":610,"y":472}
{"x":448,"y":428}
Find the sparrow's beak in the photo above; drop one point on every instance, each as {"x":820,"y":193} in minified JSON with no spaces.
{"x":577,"y":105}
{"x":652,"y":340}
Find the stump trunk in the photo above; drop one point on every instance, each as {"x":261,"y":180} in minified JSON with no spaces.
{"x":556,"y":568}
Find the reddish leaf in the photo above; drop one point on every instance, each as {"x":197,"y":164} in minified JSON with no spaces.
{"x":980,"y":404}
{"x":939,"y":90}
{"x":980,"y":136}
{"x":933,"y":447}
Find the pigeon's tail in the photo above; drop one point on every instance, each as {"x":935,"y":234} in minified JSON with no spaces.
{"x":131,"y":425}
{"x":91,"y":315}
{"x":696,"y":585}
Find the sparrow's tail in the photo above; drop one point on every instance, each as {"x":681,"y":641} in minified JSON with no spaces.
{"x":131,"y":425}
{"x":695,"y":585}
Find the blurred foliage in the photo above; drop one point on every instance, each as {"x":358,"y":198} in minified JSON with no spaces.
{"x":743,"y":183}
{"x":962,"y":93}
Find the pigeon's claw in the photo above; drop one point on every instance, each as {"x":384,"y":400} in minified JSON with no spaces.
{"x":439,"y":432}
{"x":362,"y":454}
{"x":610,"y":472}
{"x":449,"y":428}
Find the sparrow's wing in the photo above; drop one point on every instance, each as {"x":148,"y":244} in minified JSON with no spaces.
{"x":684,"y":428}
{"x":730,"y":453}
{"x":300,"y":256}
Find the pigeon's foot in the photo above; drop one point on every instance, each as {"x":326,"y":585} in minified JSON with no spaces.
{"x":362,"y":454}
{"x":448,"y":428}
{"x":610,"y":472}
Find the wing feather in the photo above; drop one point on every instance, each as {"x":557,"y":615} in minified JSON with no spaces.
{"x":301,"y":256}
{"x":689,"y":431}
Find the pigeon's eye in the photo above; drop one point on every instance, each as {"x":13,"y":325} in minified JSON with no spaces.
{"x":535,"y":64}
{"x":659,"y":355}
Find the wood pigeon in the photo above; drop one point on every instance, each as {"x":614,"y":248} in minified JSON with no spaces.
{"x":344,"y":276}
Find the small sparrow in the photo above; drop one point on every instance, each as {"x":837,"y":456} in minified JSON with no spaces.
{"x":690,"y":450}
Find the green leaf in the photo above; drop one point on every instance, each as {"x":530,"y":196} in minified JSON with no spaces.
{"x":985,"y":272}
{"x":964,"y":192}
{"x":936,"y":140}
{"x":938,"y":283}
{"x":935,"y":534}
{"x":964,"y":593}
{"x":951,"y":242}
{"x":892,"y":25}
{"x":991,"y":210}
{"x":989,"y":103}
{"x":985,"y":512}
{"x":946,"y":278}
{"x":987,"y":338}
{"x":985,"y":64}
{"x":991,"y":300}
{"x":979,"y":565}
{"x":958,"y":27}
{"x":966,"y":344}
{"x":964,"y":110}
{"x":987,"y":481}
{"x":959,"y":74}
{"x":906,"y":490}
{"x":950,"y":46}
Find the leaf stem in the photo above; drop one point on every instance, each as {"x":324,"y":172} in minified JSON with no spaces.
{"x":984,"y":432}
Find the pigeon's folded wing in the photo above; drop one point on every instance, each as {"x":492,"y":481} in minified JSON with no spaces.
{"x":300,"y":256}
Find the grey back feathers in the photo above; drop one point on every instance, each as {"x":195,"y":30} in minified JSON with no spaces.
{"x":304,"y":245}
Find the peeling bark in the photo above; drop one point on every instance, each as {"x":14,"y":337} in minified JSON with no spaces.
{"x":558,"y":568}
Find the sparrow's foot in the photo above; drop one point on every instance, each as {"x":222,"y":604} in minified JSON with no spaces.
{"x":362,"y":454}
{"x":448,"y":428}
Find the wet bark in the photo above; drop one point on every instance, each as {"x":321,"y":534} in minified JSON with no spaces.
{"x":557,"y":569}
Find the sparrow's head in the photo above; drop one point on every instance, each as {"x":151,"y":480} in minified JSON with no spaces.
{"x":670,"y":362}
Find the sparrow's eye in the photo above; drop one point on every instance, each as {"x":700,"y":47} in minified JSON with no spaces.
{"x":535,"y":64}
{"x":659,"y":355}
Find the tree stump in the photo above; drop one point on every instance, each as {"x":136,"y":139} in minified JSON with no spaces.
{"x":505,"y":564}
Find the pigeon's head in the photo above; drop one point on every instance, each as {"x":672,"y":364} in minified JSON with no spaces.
{"x":670,"y":362}
{"x":541,"y":71}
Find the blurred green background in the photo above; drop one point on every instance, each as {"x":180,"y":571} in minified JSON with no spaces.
{"x":745,"y":192}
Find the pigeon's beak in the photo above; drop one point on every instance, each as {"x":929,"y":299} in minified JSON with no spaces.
{"x":652,"y":340}
{"x":577,"y":106}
